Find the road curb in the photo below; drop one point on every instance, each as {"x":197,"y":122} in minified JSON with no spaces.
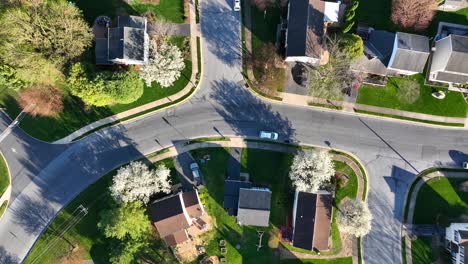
{"x":7,"y":194}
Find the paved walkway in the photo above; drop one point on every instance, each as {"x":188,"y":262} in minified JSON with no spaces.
{"x":349,"y":249}
{"x":248,"y":39}
{"x":193,"y":28}
{"x":412,"y":201}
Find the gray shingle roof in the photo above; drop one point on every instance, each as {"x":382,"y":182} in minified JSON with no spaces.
{"x":231,"y":194}
{"x":134,"y":44}
{"x":458,"y":61}
{"x":411,"y":53}
{"x":254,"y":207}
{"x":451,"y":77}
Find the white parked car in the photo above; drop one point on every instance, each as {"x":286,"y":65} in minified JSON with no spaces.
{"x":269,"y":135}
{"x":237,"y":5}
{"x":195,"y":171}
{"x":465,"y":165}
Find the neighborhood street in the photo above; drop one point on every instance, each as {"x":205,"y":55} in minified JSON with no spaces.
{"x":45,"y":177}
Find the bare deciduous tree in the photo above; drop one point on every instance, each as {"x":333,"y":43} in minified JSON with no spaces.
{"x":160,"y":30}
{"x":311,"y":170}
{"x":41,"y":100}
{"x":330,"y":80}
{"x":354,"y":217}
{"x":413,"y":14}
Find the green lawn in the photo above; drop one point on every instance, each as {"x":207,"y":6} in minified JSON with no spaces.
{"x":421,"y":250}
{"x":453,"y":105}
{"x":3,"y":207}
{"x":85,"y":234}
{"x":4,"y":175}
{"x":172,"y":10}
{"x":347,"y":260}
{"x":447,"y":202}
{"x":264,"y":32}
{"x":74,"y":116}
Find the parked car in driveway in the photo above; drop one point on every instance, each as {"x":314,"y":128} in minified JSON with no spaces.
{"x":465,"y":165}
{"x":195,"y":171}
{"x":237,"y":5}
{"x":269,"y":135}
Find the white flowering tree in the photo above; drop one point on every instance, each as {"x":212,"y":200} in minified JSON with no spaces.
{"x":165,"y":64}
{"x":310,"y":170}
{"x":136,"y":182}
{"x":354,"y":217}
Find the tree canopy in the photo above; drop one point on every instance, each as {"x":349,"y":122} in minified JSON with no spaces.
{"x":164,"y":66}
{"x":104,"y":87}
{"x":354,"y":217}
{"x":413,"y":14}
{"x":41,"y":100}
{"x":126,"y":221}
{"x":311,"y":170}
{"x":136,"y":182}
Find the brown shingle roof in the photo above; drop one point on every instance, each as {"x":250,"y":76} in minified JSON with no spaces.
{"x":176,"y":238}
{"x":168,"y":216}
{"x":192,"y":205}
{"x":323,"y":215}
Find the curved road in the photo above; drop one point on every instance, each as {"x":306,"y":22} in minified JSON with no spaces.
{"x":45,"y":177}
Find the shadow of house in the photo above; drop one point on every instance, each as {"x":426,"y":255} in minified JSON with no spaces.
{"x":312,"y":214}
{"x":128,"y":43}
{"x":231,"y":194}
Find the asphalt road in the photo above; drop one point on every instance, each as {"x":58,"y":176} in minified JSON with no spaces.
{"x":46,"y":177}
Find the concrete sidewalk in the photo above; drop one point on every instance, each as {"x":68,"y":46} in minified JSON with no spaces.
{"x":163,"y":101}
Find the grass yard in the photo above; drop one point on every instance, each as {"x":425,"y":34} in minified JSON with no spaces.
{"x":3,"y":207}
{"x":447,"y":201}
{"x":421,"y":250}
{"x":263,"y":33}
{"x":171,"y":10}
{"x":90,"y":241}
{"x":453,"y":105}
{"x":74,"y":116}
{"x":4,"y":176}
{"x":347,"y":260}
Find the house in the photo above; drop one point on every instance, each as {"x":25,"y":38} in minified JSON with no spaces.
{"x":450,"y":60}
{"x":173,"y":215}
{"x":409,"y":55}
{"x":312,"y":214}
{"x":387,"y":53}
{"x":456,"y":242}
{"x":231,"y":194}
{"x":307,"y":23}
{"x":254,"y":206}
{"x":128,"y":43}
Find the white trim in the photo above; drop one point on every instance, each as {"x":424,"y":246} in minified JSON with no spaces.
{"x":187,"y":217}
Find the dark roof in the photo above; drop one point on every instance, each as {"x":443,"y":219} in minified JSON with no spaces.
{"x":304,"y":223}
{"x":312,"y":221}
{"x":168,"y":216}
{"x":176,"y":238}
{"x":101,"y":51}
{"x":254,"y":207}
{"x":191,"y":203}
{"x":411,"y":53}
{"x":305,"y":26}
{"x":297,"y":28}
{"x":231,"y":194}
{"x":131,"y":21}
{"x":377,"y":52}
{"x":254,"y":198}
{"x":116,"y":43}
